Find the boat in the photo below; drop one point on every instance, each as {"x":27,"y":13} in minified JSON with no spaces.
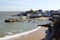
{"x":10,"y":20}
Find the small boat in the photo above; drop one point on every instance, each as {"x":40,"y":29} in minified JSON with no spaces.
{"x":10,"y":20}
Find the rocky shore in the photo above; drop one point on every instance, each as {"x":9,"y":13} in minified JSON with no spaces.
{"x":23,"y":19}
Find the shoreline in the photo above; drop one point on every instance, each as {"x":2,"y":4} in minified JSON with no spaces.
{"x":35,"y":34}
{"x":20,"y":34}
{"x":24,"y":19}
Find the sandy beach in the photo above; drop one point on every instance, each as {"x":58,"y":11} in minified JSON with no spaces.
{"x":40,"y":18}
{"x":35,"y":35}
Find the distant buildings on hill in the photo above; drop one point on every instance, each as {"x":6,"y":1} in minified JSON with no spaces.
{"x":52,"y":12}
{"x":38,"y":13}
{"x":33,"y":14}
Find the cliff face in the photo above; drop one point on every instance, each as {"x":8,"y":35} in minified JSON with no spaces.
{"x":56,"y":26}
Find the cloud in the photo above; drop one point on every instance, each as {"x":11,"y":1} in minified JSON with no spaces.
{"x":15,"y":2}
{"x":28,"y":4}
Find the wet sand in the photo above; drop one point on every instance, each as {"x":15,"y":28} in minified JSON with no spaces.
{"x":37,"y":35}
{"x":40,"y":18}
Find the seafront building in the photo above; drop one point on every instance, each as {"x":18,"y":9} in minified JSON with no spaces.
{"x":35,"y":14}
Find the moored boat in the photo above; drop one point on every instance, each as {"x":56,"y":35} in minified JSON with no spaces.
{"x":10,"y":20}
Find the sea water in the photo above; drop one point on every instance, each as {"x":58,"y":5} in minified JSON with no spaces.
{"x":11,"y":28}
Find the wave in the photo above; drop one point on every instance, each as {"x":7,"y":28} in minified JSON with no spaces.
{"x":19,"y":35}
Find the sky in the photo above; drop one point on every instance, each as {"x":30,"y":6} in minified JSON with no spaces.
{"x":22,"y":5}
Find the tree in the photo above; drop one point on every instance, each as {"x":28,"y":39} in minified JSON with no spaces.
{"x":31,"y":11}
